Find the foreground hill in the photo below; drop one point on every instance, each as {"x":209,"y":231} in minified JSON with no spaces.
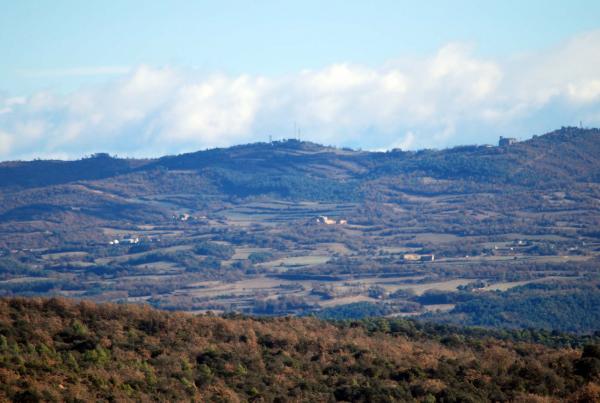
{"x":57,"y":350}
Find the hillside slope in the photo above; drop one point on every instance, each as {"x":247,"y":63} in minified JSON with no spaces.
{"x":293,"y":227}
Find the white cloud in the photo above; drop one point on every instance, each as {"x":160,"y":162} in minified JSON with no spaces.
{"x":473,"y":78}
{"x":405,"y":143}
{"x":448,"y":98}
{"x":5,"y":143}
{"x":585,"y":92}
{"x":216,"y":111}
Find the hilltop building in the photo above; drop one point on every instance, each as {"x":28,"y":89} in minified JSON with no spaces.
{"x":506,"y":141}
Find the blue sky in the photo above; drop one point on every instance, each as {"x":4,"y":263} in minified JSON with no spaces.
{"x":189,"y":75}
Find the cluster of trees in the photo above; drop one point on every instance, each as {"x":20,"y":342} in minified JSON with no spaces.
{"x":57,"y":350}
{"x":562,"y":306}
{"x":355,"y":310}
{"x":216,"y":250}
{"x":10,"y":267}
{"x":282,"y":305}
{"x":566,"y":305}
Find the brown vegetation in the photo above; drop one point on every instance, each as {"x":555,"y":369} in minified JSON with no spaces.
{"x":59,"y":350}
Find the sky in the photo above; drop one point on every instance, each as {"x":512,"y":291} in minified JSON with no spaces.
{"x":148,"y":78}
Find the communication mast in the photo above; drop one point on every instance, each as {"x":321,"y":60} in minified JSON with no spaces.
{"x":297,"y":131}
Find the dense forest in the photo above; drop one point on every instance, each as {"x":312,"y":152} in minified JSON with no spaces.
{"x":556,"y":306}
{"x":59,"y":350}
{"x":561,"y":306}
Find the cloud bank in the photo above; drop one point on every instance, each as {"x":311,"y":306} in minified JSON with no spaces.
{"x":448,"y":98}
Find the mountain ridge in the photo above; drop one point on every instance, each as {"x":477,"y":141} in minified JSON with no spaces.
{"x":572,"y":144}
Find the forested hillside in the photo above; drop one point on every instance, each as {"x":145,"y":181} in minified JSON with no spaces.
{"x":59,"y":350}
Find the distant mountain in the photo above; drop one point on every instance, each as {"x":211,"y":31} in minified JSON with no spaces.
{"x":245,"y":229}
{"x":102,"y":187}
{"x":39,"y":173}
{"x":569,"y":154}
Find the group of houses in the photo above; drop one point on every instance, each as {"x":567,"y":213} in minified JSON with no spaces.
{"x":414,"y":257}
{"x":329,"y":221}
{"x":125,"y":241}
{"x":187,"y":217}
